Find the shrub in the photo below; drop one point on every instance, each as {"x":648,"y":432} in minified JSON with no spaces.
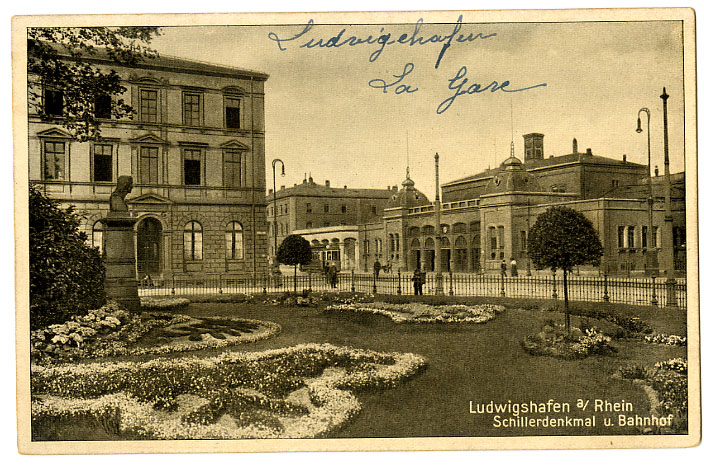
{"x":66,"y":276}
{"x":555,"y":341}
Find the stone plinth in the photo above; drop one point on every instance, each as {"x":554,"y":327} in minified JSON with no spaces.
{"x":120,"y":273}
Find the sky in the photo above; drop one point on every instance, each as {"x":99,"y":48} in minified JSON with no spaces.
{"x":327,"y":113}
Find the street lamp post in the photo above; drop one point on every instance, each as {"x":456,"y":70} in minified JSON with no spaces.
{"x":276,"y":226}
{"x":667,"y":241}
{"x":651,"y":254}
{"x":438,"y":234}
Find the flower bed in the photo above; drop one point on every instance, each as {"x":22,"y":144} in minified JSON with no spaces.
{"x":161,"y":303}
{"x":554,"y":341}
{"x":110,"y":331}
{"x":423,"y":313}
{"x":667,"y":382}
{"x":303,"y":391}
{"x":665,"y":339}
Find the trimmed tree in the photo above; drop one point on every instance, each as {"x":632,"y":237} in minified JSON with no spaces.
{"x":562,"y":238}
{"x":66,"y":276}
{"x":294,"y":250}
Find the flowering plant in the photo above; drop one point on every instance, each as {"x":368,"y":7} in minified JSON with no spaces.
{"x":423,"y":313}
{"x":163,"y":302}
{"x":302,"y":391}
{"x":665,"y":339}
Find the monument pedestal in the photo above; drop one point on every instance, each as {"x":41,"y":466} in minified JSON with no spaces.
{"x":120,"y":273}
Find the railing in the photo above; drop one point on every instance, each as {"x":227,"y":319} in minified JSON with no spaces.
{"x":634,"y":291}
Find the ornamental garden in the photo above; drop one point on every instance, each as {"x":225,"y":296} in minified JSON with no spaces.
{"x":335,"y":365}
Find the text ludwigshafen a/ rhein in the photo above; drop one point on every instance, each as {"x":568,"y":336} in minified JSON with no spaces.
{"x":553,"y":414}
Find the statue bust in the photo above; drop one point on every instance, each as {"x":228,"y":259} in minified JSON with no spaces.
{"x":117,"y":198}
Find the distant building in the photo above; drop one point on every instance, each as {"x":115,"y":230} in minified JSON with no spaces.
{"x":485,"y":217}
{"x":196,"y":152}
{"x":316,"y":208}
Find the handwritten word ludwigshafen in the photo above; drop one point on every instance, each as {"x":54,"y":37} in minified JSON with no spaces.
{"x":382,"y":40}
{"x":379,"y":83}
{"x":474,"y":88}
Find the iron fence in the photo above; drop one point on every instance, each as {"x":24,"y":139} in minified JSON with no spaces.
{"x":635,"y":291}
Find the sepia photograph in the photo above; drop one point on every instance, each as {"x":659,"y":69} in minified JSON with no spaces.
{"x":445,"y":230}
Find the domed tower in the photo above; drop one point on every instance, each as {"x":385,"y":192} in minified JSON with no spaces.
{"x":408,"y":196}
{"x":512,"y":176}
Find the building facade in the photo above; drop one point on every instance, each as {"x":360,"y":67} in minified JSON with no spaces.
{"x":195,"y":150}
{"x":485,"y":218}
{"x":316,"y":208}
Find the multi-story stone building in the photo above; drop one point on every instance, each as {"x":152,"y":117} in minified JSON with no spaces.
{"x":316,"y":208}
{"x":195,"y":150}
{"x":485,"y":217}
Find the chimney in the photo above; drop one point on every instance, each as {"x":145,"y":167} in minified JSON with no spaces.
{"x":388,"y":188}
{"x":589,"y":151}
{"x":394,"y":188}
{"x":271,"y":191}
{"x":310,"y":179}
{"x":345,"y":186}
{"x":624,"y":157}
{"x":282,"y":188}
{"x":656,"y":171}
{"x":533,"y":147}
{"x":327,"y":183}
{"x":575,"y":151}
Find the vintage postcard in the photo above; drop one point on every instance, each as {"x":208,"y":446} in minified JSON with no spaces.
{"x":446,"y":230}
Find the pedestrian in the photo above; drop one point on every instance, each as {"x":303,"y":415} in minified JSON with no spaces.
{"x":417,"y":282}
{"x":503,"y":267}
{"x":333,"y":275}
{"x":514,"y":268}
{"x":377,"y":268}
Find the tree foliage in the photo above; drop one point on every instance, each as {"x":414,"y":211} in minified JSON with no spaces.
{"x":294,"y":250}
{"x":562,"y":238}
{"x":64,"y":59}
{"x":66,"y":276}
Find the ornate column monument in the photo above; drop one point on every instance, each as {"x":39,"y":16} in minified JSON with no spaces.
{"x":120,"y":274}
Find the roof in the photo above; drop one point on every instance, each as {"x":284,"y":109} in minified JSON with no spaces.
{"x":570,"y":158}
{"x":311,"y":189}
{"x":170,"y":63}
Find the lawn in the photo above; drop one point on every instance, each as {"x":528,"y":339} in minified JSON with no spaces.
{"x":466,"y":363}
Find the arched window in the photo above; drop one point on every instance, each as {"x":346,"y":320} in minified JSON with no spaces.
{"x":193,"y":241}
{"x":97,"y":238}
{"x":234,"y":241}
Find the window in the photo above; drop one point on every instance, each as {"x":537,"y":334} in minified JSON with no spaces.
{"x":309,"y":208}
{"x":97,"y":236}
{"x":191,"y":167}
{"x":644,"y":237}
{"x":285,"y":208}
{"x":373,"y":209}
{"x":191,"y":108}
{"x":326,"y":208}
{"x":103,"y":106}
{"x":148,"y":105}
{"x":631,"y":237}
{"x":232,"y":169}
{"x":148,"y":159}
{"x":343,"y":209}
{"x":326,"y":224}
{"x":232,"y":113}
{"x":102,"y":163}
{"x":54,"y":160}
{"x":53,"y":102}
{"x":524,"y":240}
{"x":501,"y":237}
{"x":234,"y":241}
{"x":492,"y":239}
{"x":656,"y":237}
{"x":614,"y":183}
{"x":193,"y":242}
{"x":309,"y":224}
